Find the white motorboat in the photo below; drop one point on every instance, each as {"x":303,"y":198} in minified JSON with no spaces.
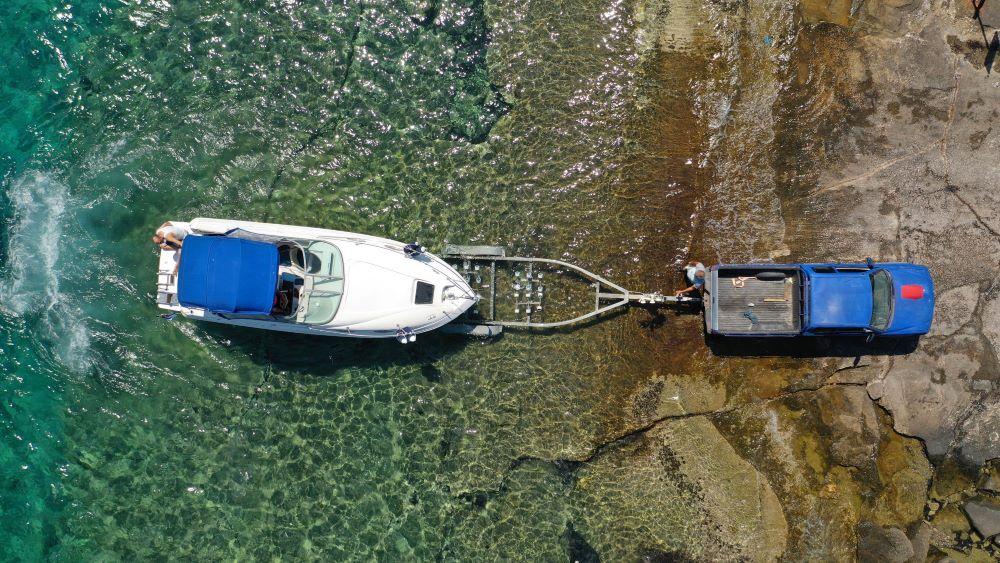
{"x":306,"y":280}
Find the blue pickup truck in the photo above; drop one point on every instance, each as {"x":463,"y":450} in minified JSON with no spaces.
{"x":764,"y":300}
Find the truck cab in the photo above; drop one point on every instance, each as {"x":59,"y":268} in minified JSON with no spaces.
{"x":776,"y":300}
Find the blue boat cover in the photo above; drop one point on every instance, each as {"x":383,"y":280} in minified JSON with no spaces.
{"x":842,"y":300}
{"x":227,"y":275}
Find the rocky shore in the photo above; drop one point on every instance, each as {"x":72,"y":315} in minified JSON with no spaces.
{"x":899,"y":120}
{"x":916,"y":181}
{"x":837,"y":131}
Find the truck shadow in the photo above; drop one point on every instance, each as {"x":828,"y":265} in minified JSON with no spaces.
{"x":810,"y":346}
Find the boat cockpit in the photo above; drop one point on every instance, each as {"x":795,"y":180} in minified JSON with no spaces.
{"x":310,"y":281}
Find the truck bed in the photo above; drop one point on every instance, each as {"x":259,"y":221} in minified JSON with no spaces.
{"x":738,"y":294}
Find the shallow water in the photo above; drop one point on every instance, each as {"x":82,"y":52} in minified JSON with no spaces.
{"x":579,"y":130}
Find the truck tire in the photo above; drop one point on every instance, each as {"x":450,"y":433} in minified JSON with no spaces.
{"x":771,"y":276}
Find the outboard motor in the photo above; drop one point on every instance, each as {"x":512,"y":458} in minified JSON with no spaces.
{"x":413,"y":249}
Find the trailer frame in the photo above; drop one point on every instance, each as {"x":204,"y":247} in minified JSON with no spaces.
{"x":472,"y":259}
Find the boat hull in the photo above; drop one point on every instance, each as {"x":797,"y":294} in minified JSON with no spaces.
{"x":379,"y":277}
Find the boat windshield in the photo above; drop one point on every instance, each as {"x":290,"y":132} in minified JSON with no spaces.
{"x":323,"y":269}
{"x":881,"y":300}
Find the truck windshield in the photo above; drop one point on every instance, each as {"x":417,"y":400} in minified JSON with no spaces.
{"x":881,"y":300}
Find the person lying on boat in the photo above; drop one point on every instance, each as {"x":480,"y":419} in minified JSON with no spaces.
{"x":694,"y":273}
{"x":170,"y":236}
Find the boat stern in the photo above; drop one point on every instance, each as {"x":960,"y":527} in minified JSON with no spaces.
{"x":166,"y":280}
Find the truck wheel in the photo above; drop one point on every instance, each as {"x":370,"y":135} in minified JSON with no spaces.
{"x":771,"y":276}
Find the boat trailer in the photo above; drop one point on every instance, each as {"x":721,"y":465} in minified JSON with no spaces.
{"x":530,"y":293}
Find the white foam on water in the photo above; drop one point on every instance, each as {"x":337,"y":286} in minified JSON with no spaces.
{"x":33,"y":267}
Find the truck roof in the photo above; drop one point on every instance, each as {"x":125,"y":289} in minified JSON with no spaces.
{"x":841,"y":300}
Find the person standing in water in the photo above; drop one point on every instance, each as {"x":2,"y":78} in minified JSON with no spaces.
{"x":694,"y":273}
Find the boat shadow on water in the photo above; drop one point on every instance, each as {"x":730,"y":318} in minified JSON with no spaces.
{"x":325,"y":356}
{"x":811,"y":346}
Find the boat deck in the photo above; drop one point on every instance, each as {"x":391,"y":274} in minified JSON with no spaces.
{"x":748,"y":305}
{"x":166,"y":280}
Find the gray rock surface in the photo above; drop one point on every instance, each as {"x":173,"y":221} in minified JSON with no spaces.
{"x":991,"y":322}
{"x":981,"y":435}
{"x":953,"y":309}
{"x":985,"y":516}
{"x":885,"y":545}
{"x":920,"y":539}
{"x":924,"y":402}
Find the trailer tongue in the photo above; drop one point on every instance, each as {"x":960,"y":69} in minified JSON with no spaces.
{"x":538,"y":293}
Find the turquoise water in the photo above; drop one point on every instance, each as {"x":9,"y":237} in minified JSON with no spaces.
{"x":545,"y":126}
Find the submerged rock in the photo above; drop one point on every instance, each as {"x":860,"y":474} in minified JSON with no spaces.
{"x":904,"y":474}
{"x":577,"y":548}
{"x":681,"y":489}
{"x":850,"y":415}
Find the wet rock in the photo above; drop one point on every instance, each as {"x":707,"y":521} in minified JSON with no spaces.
{"x":938,"y":393}
{"x":890,"y":16}
{"x":836,"y":12}
{"x":850,"y":415}
{"x":991,"y":478}
{"x":966,"y":555}
{"x":985,"y":516}
{"x":952,"y":480}
{"x":791,"y":442}
{"x":950,"y":521}
{"x":920,"y":538}
{"x":662,"y":396}
{"x":667,"y":24}
{"x":577,"y":548}
{"x":660,"y":556}
{"x":854,"y":363}
{"x":856,"y":371}
{"x":904,"y":473}
{"x":878,"y":544}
